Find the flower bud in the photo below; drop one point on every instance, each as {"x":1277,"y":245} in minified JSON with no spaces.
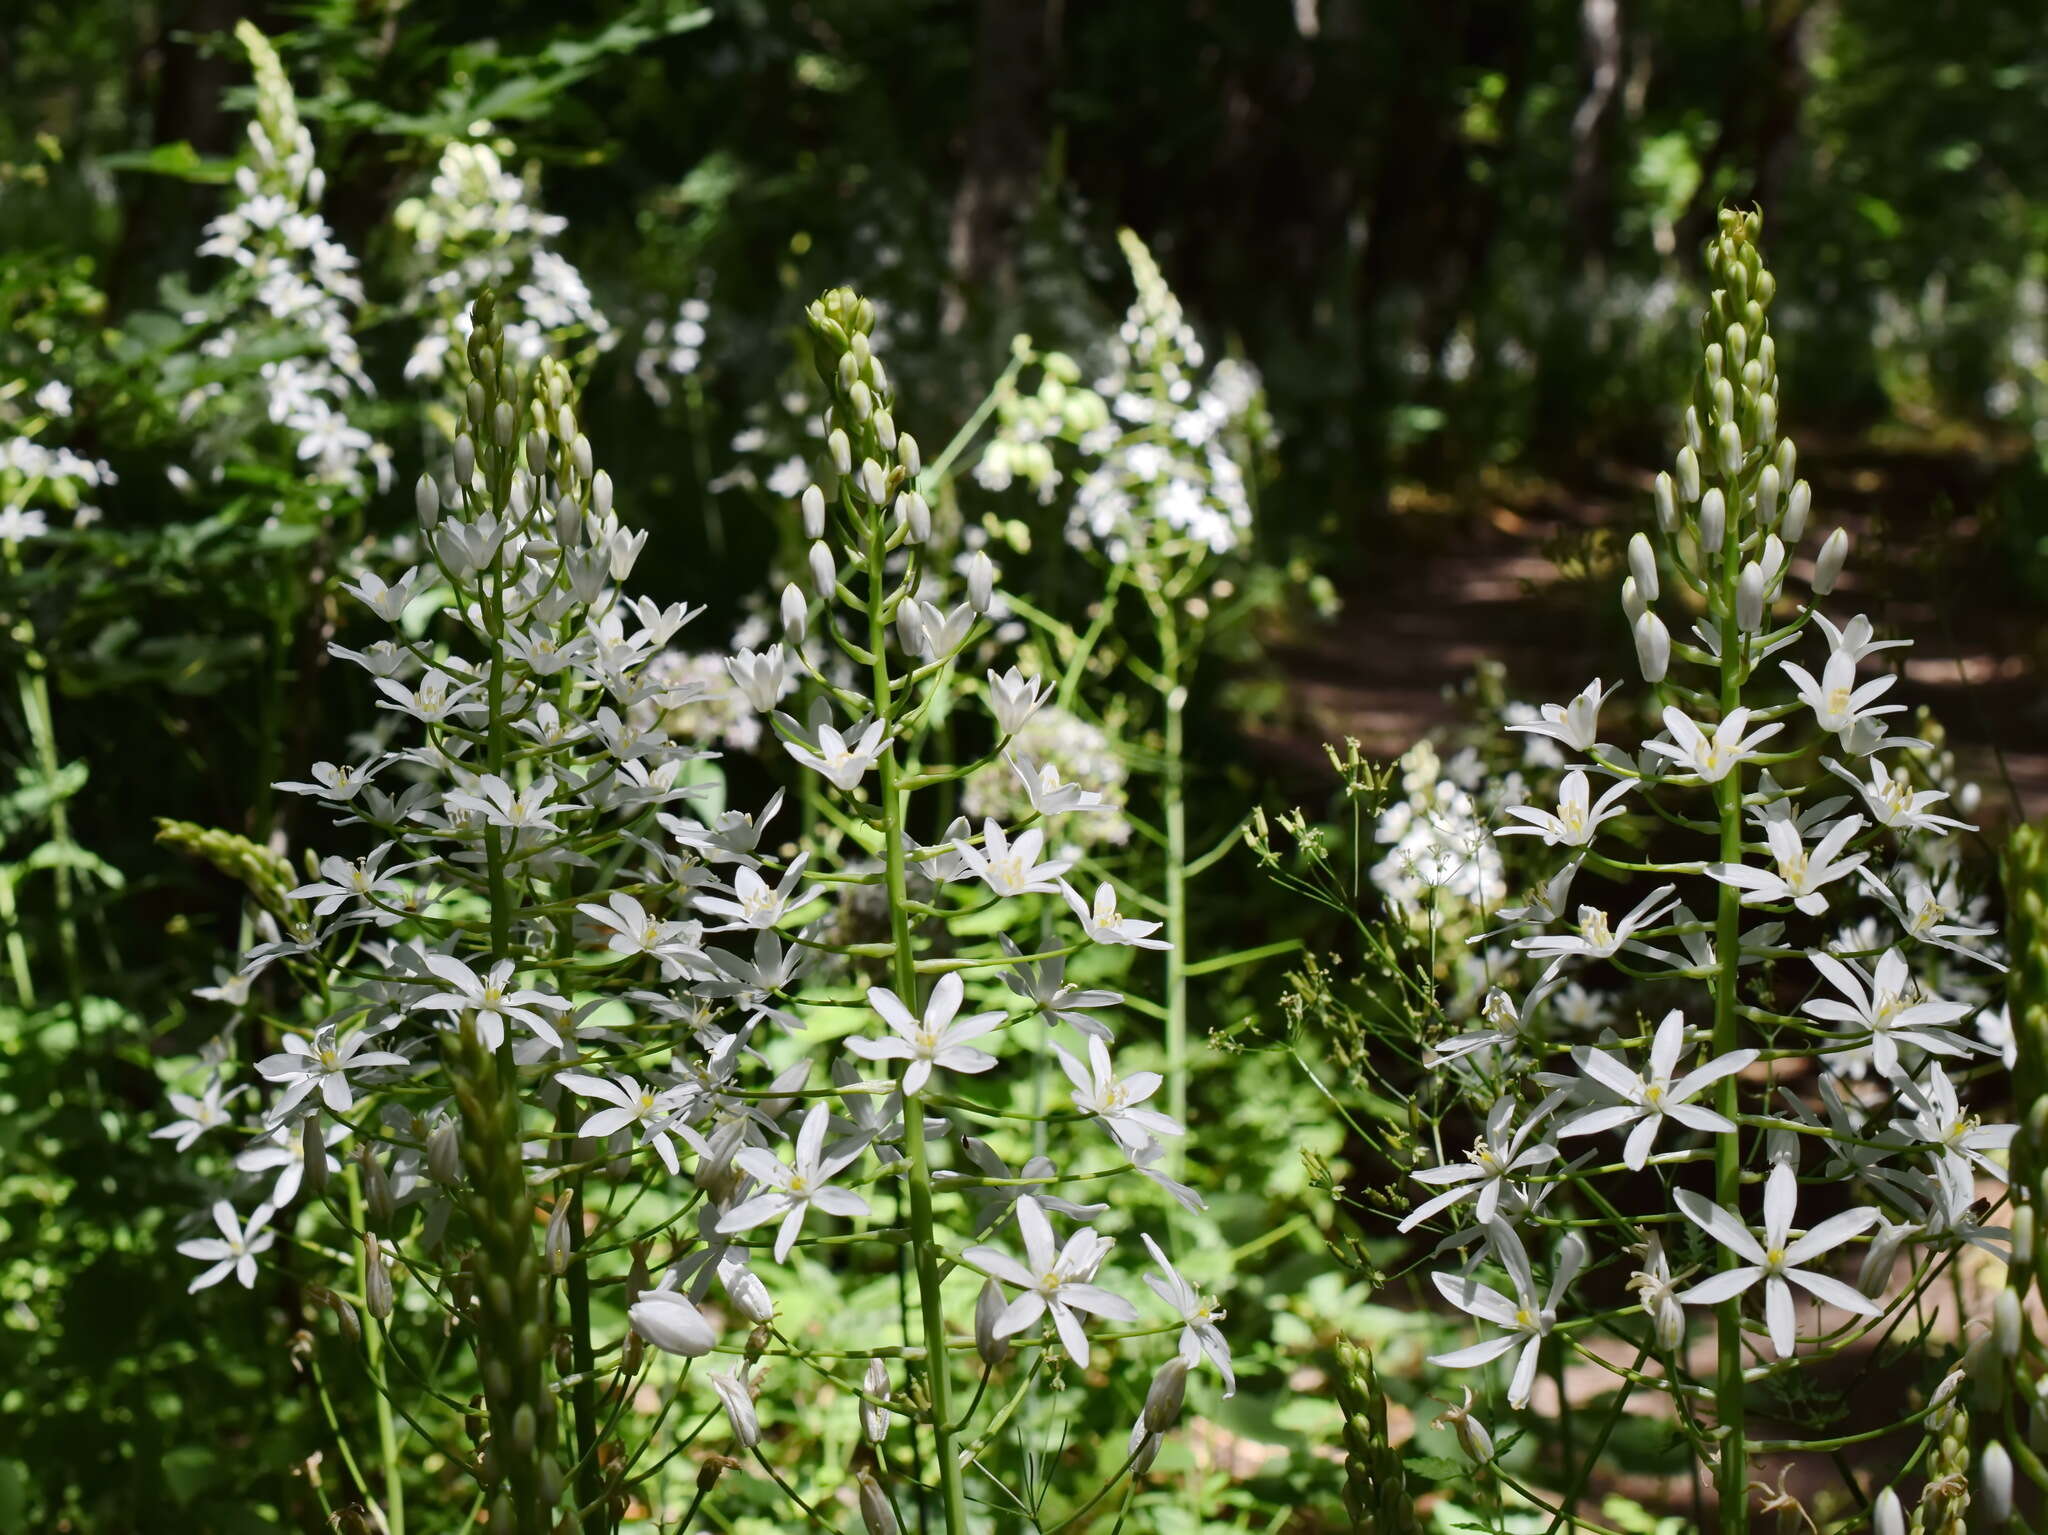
{"x":558,"y":1245}
{"x":465,"y":461}
{"x":345,"y":1317}
{"x":1693,"y":439}
{"x":841,"y":450}
{"x":908,"y":456}
{"x":1730,"y":443}
{"x":1766,"y":416}
{"x":1738,"y":338}
{"x":1144,"y":1448}
{"x":874,"y":1420}
{"x":875,"y":1510}
{"x":813,"y":503}
{"x":601,"y":493}
{"x":981,"y":582}
{"x":377,"y":1198}
{"x":1749,"y":598}
{"x":988,"y":1307}
{"x":911,"y":633}
{"x":504,"y":425}
{"x":1163,"y":1401}
{"x":916,"y":515}
{"x":860,"y":400}
{"x":1724,"y":401}
{"x":824,"y":575}
{"x":672,"y":1324}
{"x":885,"y":431}
{"x":1768,"y":484}
{"x":1787,"y":460}
{"x":1887,"y":1515}
{"x":580,"y":456}
{"x":313,"y":1156}
{"x":748,"y":1294}
{"x":1688,"y":475}
{"x":1993,"y":1487}
{"x":1713,"y":523}
{"x":739,"y":1406}
{"x":1716,"y":360}
{"x":1653,"y":647}
{"x":1667,"y":503}
{"x":796,"y":613}
{"x":2006,"y":1323}
{"x":1632,"y":600}
{"x":1827,"y":567}
{"x":444,"y":1155}
{"x":872,"y":484}
{"x":426,"y":500}
{"x":1797,"y":505}
{"x":376,"y":1280}
{"x":1642,"y":564}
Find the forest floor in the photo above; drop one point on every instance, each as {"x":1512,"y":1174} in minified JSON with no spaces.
{"x":1527,"y":572}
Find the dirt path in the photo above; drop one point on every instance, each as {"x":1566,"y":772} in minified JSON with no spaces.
{"x":1520,"y":572}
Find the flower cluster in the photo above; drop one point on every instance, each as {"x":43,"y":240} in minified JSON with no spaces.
{"x":558,"y":991}
{"x":1163,"y":434}
{"x":292,"y":271}
{"x":477,"y":227}
{"x":1799,"y":1059}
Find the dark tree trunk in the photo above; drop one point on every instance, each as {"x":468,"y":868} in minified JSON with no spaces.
{"x":1005,"y":149}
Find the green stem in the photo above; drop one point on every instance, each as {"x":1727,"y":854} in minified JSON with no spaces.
{"x":373,"y":1348}
{"x":1176,"y":918}
{"x":938,"y":1372}
{"x":1732,"y":1477}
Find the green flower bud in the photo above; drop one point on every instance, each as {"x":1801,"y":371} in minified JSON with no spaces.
{"x":377,"y":1293}
{"x":988,"y":1306}
{"x":377,"y":1198}
{"x":1163,"y":1399}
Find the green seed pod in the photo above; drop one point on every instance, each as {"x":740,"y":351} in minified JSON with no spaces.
{"x":377,"y":1200}
{"x":376,"y":1280}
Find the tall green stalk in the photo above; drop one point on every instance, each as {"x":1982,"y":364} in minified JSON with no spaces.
{"x":1732,"y":1477}
{"x":903,"y":971}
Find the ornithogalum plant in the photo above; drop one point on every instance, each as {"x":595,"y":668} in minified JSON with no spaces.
{"x":1777,"y":1153}
{"x":616,"y":1068}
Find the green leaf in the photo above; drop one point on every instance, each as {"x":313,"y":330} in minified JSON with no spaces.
{"x":1435,"y":1468}
{"x":178,"y":160}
